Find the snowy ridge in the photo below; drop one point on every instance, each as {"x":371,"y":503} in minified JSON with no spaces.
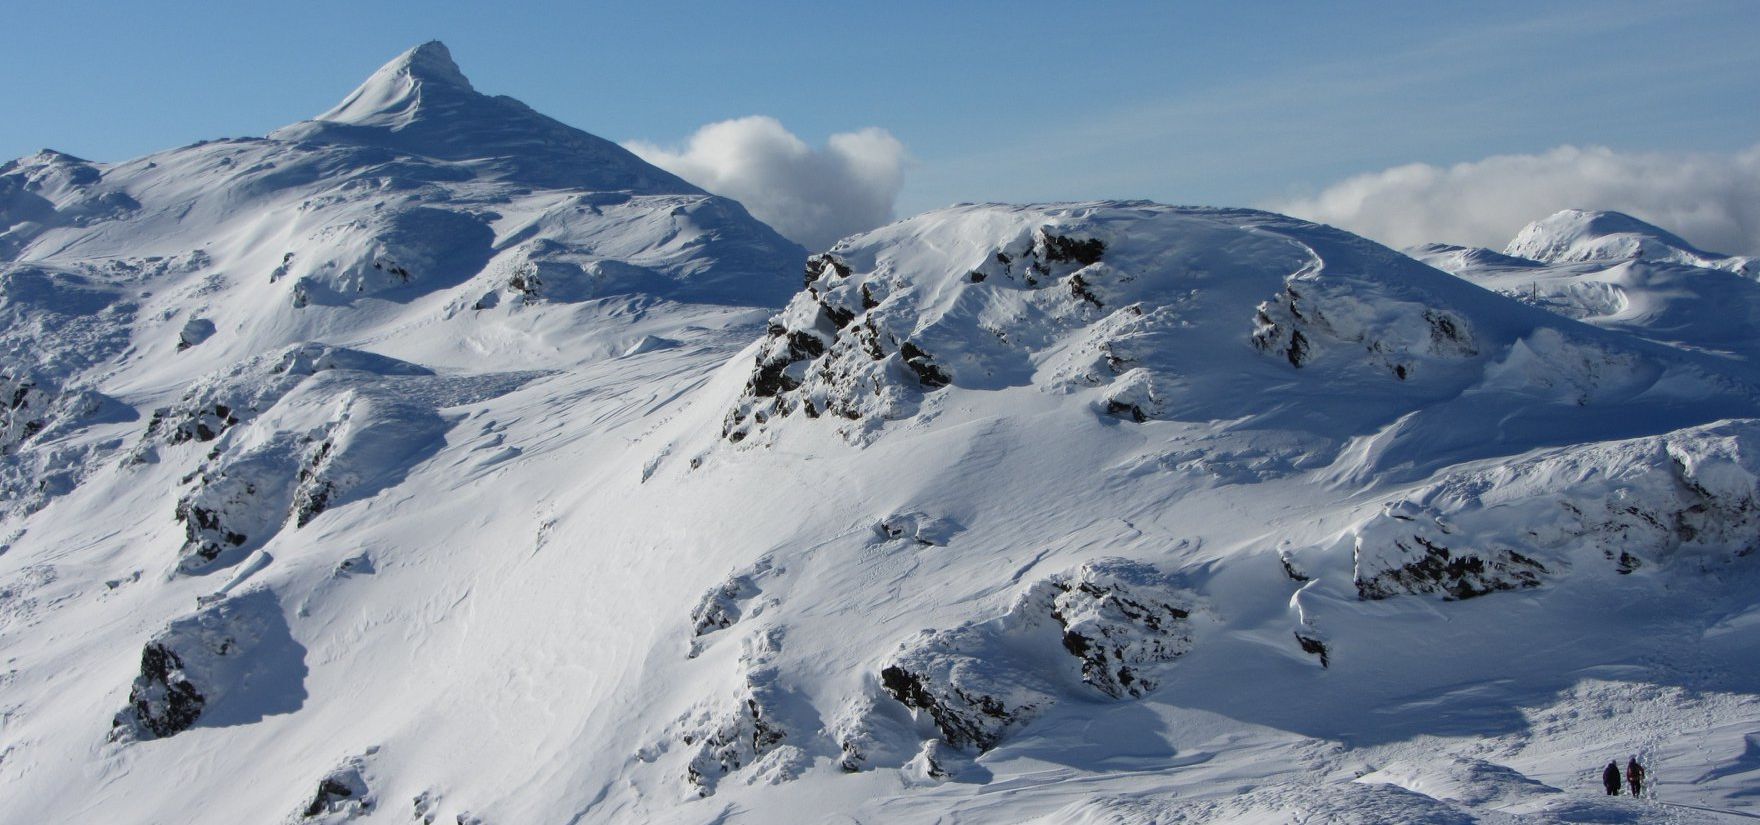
{"x":431,"y":461}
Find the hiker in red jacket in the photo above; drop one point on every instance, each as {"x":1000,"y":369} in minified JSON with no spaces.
{"x":1635,"y":775}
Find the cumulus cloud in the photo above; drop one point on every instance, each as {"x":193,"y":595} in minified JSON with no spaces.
{"x":1712,"y":200}
{"x":813,"y":196}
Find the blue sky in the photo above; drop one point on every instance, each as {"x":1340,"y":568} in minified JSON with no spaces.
{"x":1193,"y":103}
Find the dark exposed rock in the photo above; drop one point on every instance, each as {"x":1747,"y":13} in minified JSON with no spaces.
{"x":1113,"y":630}
{"x":312,"y":495}
{"x":1078,"y":286}
{"x":930,"y":375}
{"x":195,"y":331}
{"x":732,"y":600}
{"x":818,"y":264}
{"x":330,"y":792}
{"x":1297,"y":352}
{"x":1626,"y":563}
{"x":343,"y":793}
{"x":1123,"y":409}
{"x":235,"y":652}
{"x":1071,"y":250}
{"x":955,"y":719}
{"x":1314,"y":647}
{"x":163,"y":700}
{"x":1434,"y":568}
{"x":1289,"y":569}
{"x":740,"y":733}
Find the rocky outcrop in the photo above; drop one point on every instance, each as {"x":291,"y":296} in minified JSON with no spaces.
{"x":1408,"y":551}
{"x":422,"y":245}
{"x":1116,"y":623}
{"x":195,"y":331}
{"x":741,"y":730}
{"x":163,"y":701}
{"x":237,"y":502}
{"x":1692,"y":494}
{"x":1310,"y":315}
{"x":34,"y":408}
{"x":337,"y":441}
{"x":921,"y":529}
{"x":1120,"y":622}
{"x":223,"y":400}
{"x":855,"y":347}
{"x":734,"y":599}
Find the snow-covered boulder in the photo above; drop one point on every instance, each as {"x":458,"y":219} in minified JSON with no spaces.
{"x":342,"y":795}
{"x":231,"y":662}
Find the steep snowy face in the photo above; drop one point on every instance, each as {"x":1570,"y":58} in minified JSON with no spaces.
{"x":412,"y":85}
{"x":1144,"y":312}
{"x":1577,"y":235}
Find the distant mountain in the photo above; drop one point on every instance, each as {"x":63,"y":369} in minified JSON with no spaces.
{"x":1577,"y":235}
{"x":1616,"y":272}
{"x":433,"y":461}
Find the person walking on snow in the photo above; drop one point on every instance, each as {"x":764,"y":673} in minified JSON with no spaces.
{"x":1610,"y":778}
{"x":1635,"y":775}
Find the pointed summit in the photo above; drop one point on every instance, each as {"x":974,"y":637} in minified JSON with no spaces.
{"x":395,"y":94}
{"x":421,"y":104}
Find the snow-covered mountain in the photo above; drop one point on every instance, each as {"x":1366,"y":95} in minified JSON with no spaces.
{"x":432,"y":461}
{"x":1617,"y":272}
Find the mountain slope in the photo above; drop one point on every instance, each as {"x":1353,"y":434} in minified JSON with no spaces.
{"x":506,"y":498}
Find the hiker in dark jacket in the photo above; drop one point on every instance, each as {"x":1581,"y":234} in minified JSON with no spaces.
{"x":1610,"y":778}
{"x":1635,"y":775}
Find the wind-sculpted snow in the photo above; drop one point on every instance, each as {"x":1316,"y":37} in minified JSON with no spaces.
{"x":51,"y":189}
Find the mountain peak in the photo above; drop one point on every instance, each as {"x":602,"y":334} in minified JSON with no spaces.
{"x":395,"y":93}
{"x":1573,"y":235}
{"x":421,"y":104}
{"x":431,"y":61}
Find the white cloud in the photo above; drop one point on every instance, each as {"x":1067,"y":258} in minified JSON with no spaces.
{"x":1712,"y":200}
{"x":813,"y":196}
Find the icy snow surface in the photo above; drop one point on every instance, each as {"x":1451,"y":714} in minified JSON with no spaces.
{"x":432,"y":461}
